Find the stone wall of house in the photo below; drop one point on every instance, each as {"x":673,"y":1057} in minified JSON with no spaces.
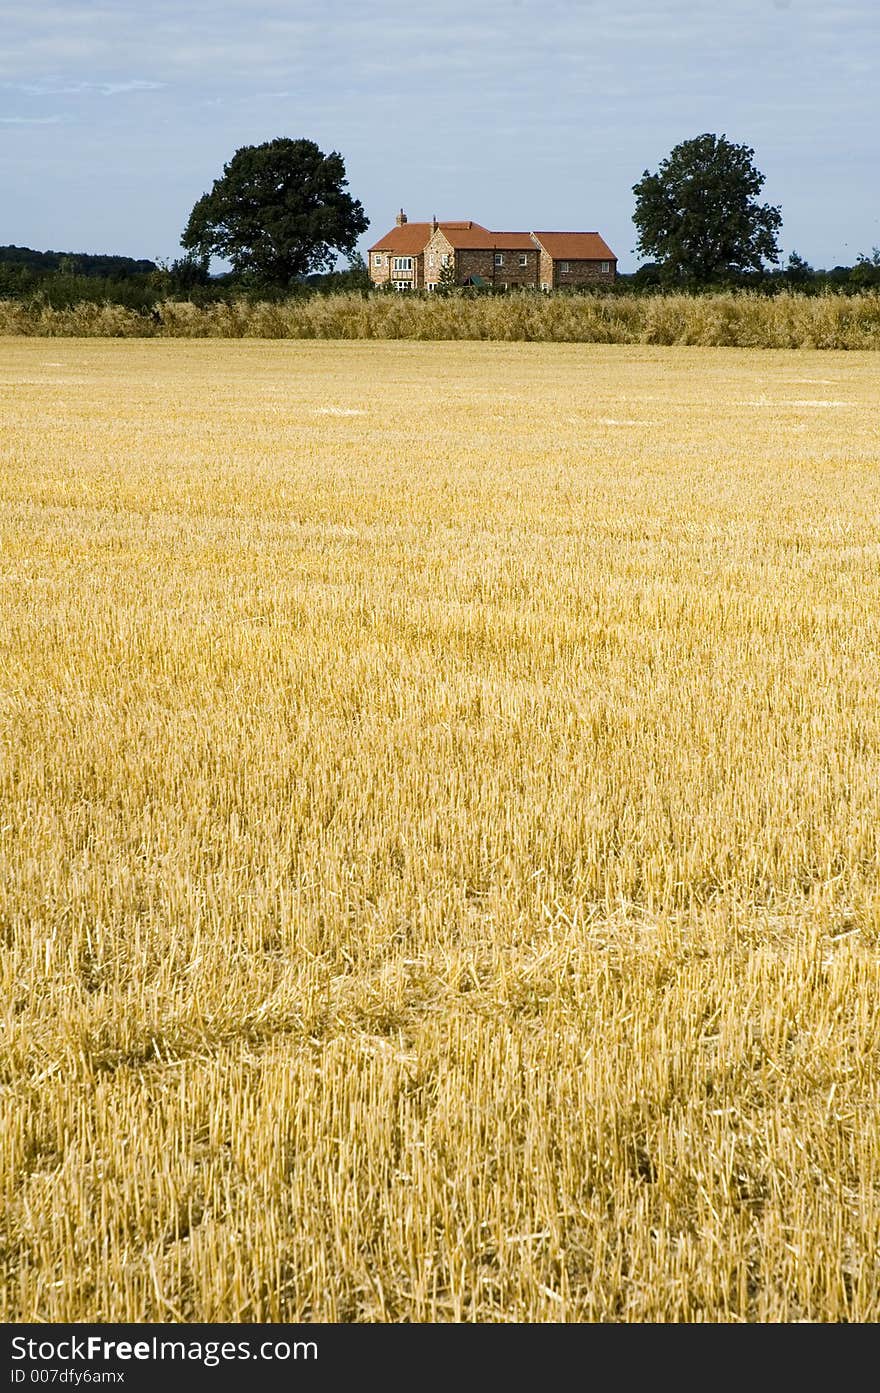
{"x":473,"y":261}
{"x":583,"y":273}
{"x":438,"y":247}
{"x":552,"y":277}
{"x":545,"y":270}
{"x":479,"y":261}
{"x":511,"y":273}
{"x":381,"y":275}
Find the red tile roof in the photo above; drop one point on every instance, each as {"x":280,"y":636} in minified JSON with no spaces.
{"x":478,"y":238}
{"x":575,"y":246}
{"x":514,"y":241}
{"x":413,"y":237}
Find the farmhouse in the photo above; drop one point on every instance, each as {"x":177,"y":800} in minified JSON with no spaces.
{"x":422,"y":255}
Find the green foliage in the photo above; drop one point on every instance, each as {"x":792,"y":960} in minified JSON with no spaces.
{"x":798,"y":272}
{"x":865,"y":275}
{"x":62,"y":290}
{"x":105,"y":267}
{"x":184,"y":274}
{"x":446,"y":280}
{"x":278,"y":212}
{"x":354,"y":277}
{"x":698,"y":217}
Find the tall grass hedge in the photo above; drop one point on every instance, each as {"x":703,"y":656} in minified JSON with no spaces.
{"x":735,"y":319}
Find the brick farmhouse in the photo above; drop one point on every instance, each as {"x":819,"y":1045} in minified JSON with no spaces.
{"x":414,"y":256}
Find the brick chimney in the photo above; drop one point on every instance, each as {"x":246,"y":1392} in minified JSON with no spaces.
{"x":401,"y":218}
{"x":434,"y":223}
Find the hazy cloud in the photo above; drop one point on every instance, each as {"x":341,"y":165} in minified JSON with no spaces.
{"x":77,"y":89}
{"x":29,"y":120}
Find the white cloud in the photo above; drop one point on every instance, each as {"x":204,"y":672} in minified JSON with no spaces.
{"x":51,"y":88}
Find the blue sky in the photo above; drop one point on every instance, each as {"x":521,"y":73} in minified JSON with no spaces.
{"x":115,"y":117}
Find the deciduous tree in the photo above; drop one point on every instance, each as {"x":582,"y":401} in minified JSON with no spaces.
{"x":278,"y":211}
{"x":699,"y":217}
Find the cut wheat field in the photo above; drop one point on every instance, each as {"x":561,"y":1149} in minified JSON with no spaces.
{"x":439,"y":831}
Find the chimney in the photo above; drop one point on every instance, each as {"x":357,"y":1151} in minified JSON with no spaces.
{"x":401,"y":218}
{"x":434,"y":223}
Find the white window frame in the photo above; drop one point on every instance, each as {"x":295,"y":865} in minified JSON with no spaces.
{"x":403,"y":263}
{"x":444,"y":260}
{"x":606,"y":266}
{"x":565,"y":267}
{"x":523,"y":258}
{"x":499,"y":258}
{"x":377,"y":259}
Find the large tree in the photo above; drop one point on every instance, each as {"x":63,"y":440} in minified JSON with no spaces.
{"x":699,"y":217}
{"x":278,"y":211}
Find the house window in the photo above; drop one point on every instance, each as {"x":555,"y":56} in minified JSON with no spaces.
{"x":402,"y":285}
{"x":523,"y":260}
{"x":430,"y":285}
{"x":377,"y":259}
{"x":564,"y":266}
{"x":606,"y":266}
{"x":431,"y":259}
{"x":403,"y":263}
{"x":499,"y":258}
{"x":445,"y":259}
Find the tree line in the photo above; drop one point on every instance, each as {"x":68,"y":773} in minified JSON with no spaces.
{"x":280,"y":214}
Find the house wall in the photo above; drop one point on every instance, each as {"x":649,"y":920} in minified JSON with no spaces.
{"x":479,"y":261}
{"x":381,"y":275}
{"x":437,"y":248}
{"x":511,"y":273}
{"x":474,"y":261}
{"x":584,"y":273}
{"x":579,"y":273}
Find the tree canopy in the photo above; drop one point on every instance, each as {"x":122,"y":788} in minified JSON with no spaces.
{"x":279,"y":211}
{"x":75,"y":263}
{"x":699,"y":217}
